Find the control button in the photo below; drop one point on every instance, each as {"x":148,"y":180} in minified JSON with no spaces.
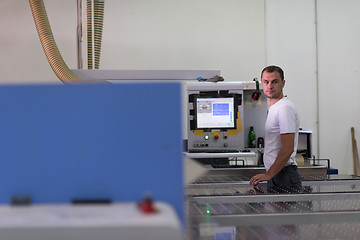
{"x":206,"y":137}
{"x":225,"y":144}
{"x":225,"y":137}
{"x":147,"y":205}
{"x":216,"y":136}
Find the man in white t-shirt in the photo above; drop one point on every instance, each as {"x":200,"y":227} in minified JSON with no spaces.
{"x":281,"y":134}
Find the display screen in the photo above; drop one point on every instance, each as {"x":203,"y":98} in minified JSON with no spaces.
{"x":215,"y":112}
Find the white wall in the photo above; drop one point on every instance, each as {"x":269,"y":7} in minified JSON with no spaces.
{"x":339,"y":79}
{"x":187,"y":34}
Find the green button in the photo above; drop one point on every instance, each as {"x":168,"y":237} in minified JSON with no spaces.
{"x":206,"y":137}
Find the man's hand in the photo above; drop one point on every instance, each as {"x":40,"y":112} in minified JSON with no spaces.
{"x":287,"y":148}
{"x":259,"y":178}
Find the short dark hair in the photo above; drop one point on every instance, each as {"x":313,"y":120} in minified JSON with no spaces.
{"x":273,"y":68}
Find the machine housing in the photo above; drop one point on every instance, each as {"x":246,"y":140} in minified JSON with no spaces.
{"x":220,"y":115}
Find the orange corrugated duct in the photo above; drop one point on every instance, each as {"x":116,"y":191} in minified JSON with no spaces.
{"x":48,"y":43}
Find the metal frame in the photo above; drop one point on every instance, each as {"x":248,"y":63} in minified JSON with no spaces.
{"x":277,"y":198}
{"x":288,"y":219}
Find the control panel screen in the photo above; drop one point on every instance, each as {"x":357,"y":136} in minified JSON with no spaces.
{"x":215,"y":113}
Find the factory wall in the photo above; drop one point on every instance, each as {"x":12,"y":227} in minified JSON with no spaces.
{"x":339,"y":79}
{"x":317,"y":43}
{"x":239,"y":37}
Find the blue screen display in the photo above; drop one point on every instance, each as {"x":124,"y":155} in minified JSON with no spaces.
{"x":221,"y":109}
{"x":215,"y":113}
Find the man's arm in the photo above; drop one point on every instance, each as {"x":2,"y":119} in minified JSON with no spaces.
{"x":287,"y":148}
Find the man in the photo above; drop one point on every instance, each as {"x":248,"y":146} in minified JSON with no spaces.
{"x":281,"y":134}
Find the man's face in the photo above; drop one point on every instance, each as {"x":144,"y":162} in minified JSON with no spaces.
{"x":272,"y":84}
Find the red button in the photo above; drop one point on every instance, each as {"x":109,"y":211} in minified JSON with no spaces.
{"x":147,"y":206}
{"x":216,"y":136}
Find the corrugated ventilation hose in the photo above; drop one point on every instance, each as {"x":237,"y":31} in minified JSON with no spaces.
{"x":98,"y":27}
{"x":95,"y":22}
{"x":48,"y":43}
{"x":89,"y":34}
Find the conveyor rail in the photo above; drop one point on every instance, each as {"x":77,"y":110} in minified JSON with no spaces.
{"x":314,"y":211}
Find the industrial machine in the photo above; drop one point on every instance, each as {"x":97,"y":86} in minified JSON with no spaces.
{"x":222,"y":205}
{"x":220,"y":115}
{"x":81,"y":162}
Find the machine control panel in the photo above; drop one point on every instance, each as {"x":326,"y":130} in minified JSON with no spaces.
{"x":211,"y":140}
{"x":220,"y":115}
{"x":214,"y":119}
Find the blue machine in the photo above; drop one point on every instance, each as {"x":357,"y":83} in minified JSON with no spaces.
{"x":118,"y":142}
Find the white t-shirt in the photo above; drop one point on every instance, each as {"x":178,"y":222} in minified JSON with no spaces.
{"x":282,"y":118}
